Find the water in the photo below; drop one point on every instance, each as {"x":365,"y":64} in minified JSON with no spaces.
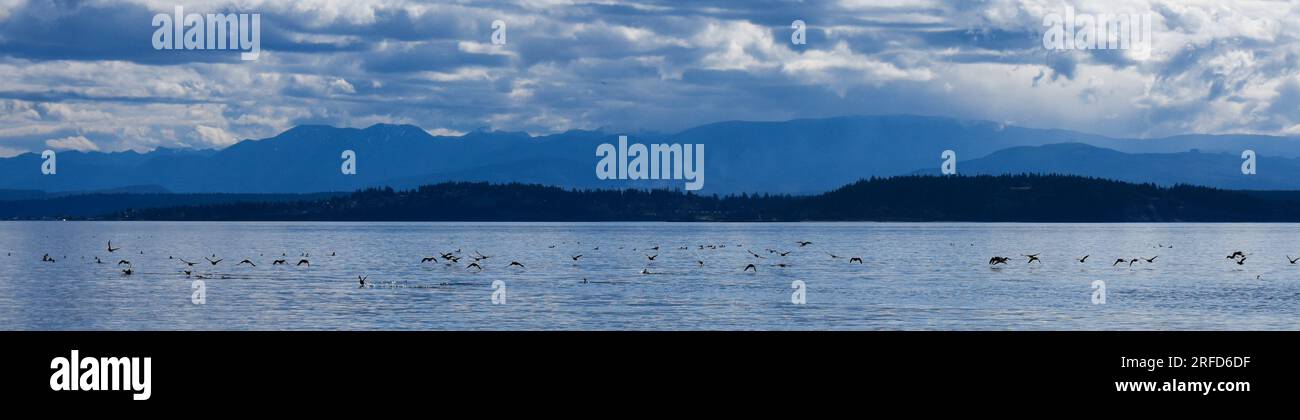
{"x":915,"y":277}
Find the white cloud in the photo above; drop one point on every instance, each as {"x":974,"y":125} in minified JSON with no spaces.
{"x":78,"y":143}
{"x":214,"y":136}
{"x":1216,"y":66}
{"x":445,"y":132}
{"x":6,"y":152}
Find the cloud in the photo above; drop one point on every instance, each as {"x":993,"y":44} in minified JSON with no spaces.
{"x":78,"y":143}
{"x":88,"y":68}
{"x":214,"y":136}
{"x":444,"y":132}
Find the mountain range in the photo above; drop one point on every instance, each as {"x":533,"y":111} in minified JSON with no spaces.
{"x":805,"y":156}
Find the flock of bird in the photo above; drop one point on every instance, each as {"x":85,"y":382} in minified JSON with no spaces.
{"x":187,"y":269}
{"x":452,"y":258}
{"x":1237,"y":257}
{"x":477,"y":260}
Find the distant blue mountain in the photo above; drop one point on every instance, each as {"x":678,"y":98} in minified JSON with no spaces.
{"x":798,"y":156}
{"x":1221,"y":170}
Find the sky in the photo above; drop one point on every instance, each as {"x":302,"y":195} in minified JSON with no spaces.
{"x":85,"y":75}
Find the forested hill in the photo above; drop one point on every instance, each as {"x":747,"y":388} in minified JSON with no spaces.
{"x":1007,"y":198}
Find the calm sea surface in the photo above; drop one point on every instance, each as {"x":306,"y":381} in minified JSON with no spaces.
{"x":926,"y":276}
